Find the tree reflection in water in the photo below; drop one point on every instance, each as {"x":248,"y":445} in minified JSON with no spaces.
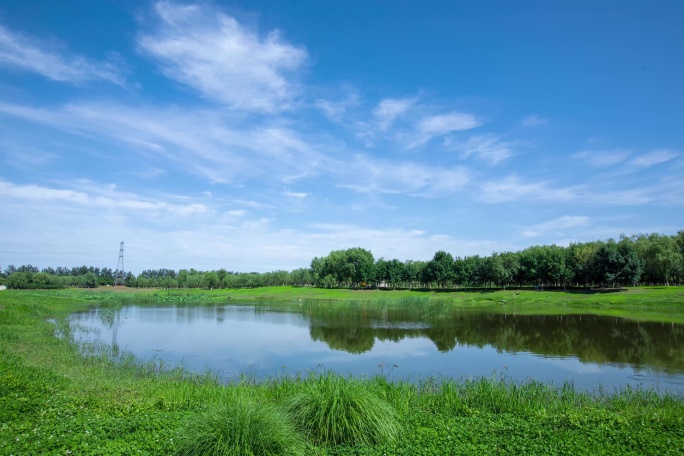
{"x":589,"y":338}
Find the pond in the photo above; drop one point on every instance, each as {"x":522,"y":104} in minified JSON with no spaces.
{"x":401,"y":343}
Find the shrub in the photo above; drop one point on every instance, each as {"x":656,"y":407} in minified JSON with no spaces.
{"x":332,"y":410}
{"x":240,"y":427}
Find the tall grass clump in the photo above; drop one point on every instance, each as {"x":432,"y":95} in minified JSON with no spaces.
{"x":240,"y":427}
{"x":333,"y":410}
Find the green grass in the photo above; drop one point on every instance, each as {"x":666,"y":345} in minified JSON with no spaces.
{"x":240,"y":426}
{"x":332,"y":410}
{"x":662,"y":304}
{"x":56,"y":397}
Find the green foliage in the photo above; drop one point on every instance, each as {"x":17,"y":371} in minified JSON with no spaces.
{"x":332,"y":410}
{"x":350,"y":267}
{"x":652,"y":259}
{"x":617,"y":263}
{"x":440,"y":269}
{"x":240,"y":427}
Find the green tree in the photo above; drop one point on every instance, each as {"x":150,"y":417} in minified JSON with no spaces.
{"x":182,"y":278}
{"x":617,"y":264}
{"x":511,"y":264}
{"x":501,"y":267}
{"x":210,"y":280}
{"x":412,"y":272}
{"x":17,"y":280}
{"x":350,"y":267}
{"x":440,"y":269}
{"x":301,"y":277}
{"x":43,"y":280}
{"x":530,"y":261}
{"x":167,"y":283}
{"x":466,"y":270}
{"x":221,"y":273}
{"x":194,"y":280}
{"x":317,"y":269}
{"x":662,"y":258}
{"x":361,"y":265}
{"x":580,"y":259}
{"x":391,"y":271}
{"x":89,"y":280}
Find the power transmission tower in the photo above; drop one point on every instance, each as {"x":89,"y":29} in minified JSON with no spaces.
{"x":120,"y":274}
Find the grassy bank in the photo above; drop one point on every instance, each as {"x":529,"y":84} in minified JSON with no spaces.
{"x":55,"y":398}
{"x":661,"y":304}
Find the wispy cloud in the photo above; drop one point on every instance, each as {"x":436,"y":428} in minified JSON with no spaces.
{"x":99,"y":197}
{"x":371,"y":175}
{"x":488,"y":148}
{"x":558,"y":225}
{"x":331,"y":109}
{"x":389,"y":109}
{"x":225,"y":61}
{"x":26,"y":53}
{"x":655,"y":157}
{"x":206,"y":143}
{"x":440,"y":125}
{"x":534,"y":120}
{"x":512,"y":188}
{"x":298,"y":195}
{"x":151,"y":172}
{"x":403,"y":244}
{"x":446,"y":123}
{"x":602,"y":158}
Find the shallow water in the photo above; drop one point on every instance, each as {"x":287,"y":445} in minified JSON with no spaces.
{"x":426,"y":341}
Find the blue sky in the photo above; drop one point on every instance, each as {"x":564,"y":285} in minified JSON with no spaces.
{"x":257,"y":135}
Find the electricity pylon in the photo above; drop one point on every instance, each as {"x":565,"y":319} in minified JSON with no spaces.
{"x":120,"y":274}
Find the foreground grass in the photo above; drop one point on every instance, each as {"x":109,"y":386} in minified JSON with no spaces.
{"x":56,"y":399}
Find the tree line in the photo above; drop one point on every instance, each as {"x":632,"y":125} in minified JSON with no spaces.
{"x":643,"y":259}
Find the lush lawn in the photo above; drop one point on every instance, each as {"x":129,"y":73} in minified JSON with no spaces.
{"x":55,"y":398}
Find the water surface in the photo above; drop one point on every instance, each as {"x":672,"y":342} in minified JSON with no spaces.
{"x":427,"y":341}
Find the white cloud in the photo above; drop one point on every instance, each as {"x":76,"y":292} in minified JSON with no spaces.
{"x":513,"y":189}
{"x":389,"y":109}
{"x":222,"y":59}
{"x":99,"y":197}
{"x":193,"y":235}
{"x":439,"y":125}
{"x":557,"y":225}
{"x":252,"y":204}
{"x":332,"y":110}
{"x":446,"y":123}
{"x":151,"y":172}
{"x":371,"y":175}
{"x":206,"y":143}
{"x":27,"y":53}
{"x":488,"y":148}
{"x":655,"y":157}
{"x":602,"y":158}
{"x":390,"y":243}
{"x":336,"y":110}
{"x":19,"y":155}
{"x":298,"y":195}
{"x":534,"y":120}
